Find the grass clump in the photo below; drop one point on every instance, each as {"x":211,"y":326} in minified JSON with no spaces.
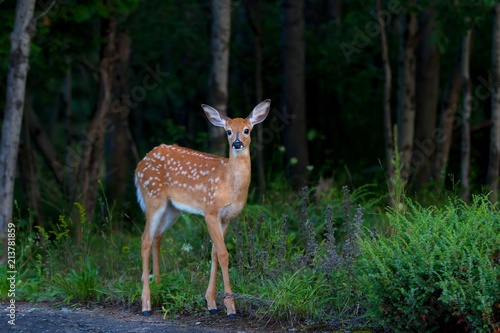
{"x":438,"y":270}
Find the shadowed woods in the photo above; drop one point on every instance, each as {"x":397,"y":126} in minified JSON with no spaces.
{"x":373,"y":176}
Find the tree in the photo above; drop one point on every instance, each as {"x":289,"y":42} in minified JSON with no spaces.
{"x":293,"y":90}
{"x":426,"y":97}
{"x":14,"y":104}
{"x":466,"y":111}
{"x":389,"y":143}
{"x":218,"y":77}
{"x":446,"y":118}
{"x":29,"y":171}
{"x":494,"y":161}
{"x":406,"y":89}
{"x":120,"y":147}
{"x":89,"y":168}
{"x":253,"y":16}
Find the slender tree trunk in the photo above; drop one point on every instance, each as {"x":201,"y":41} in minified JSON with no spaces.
{"x":253,"y":15}
{"x":406,"y":90}
{"x":293,"y":90}
{"x":218,"y":77}
{"x":494,"y":162}
{"x":69,"y":182}
{"x":14,"y":103}
{"x":88,"y":172}
{"x":427,"y":97}
{"x":389,"y":142}
{"x":45,"y":145}
{"x":466,"y":142}
{"x":67,"y":105}
{"x":446,"y":120}
{"x":29,"y":174}
{"x":119,"y":162}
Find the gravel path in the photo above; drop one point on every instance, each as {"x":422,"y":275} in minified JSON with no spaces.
{"x":44,"y":318}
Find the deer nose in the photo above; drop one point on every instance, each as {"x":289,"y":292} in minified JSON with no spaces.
{"x":237,"y":144}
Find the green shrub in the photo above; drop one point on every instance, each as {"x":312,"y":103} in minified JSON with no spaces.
{"x":438,"y":270}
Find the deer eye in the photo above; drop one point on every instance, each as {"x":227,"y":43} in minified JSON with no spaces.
{"x":246,"y":131}
{"x":229,"y":132}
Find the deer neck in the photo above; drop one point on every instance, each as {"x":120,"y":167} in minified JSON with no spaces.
{"x":239,"y":171}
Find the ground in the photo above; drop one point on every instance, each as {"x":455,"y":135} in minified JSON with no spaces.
{"x":46,"y":317}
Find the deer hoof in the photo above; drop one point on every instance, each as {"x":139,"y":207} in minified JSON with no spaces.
{"x":232,"y":316}
{"x":212,"y":311}
{"x":146,"y":313}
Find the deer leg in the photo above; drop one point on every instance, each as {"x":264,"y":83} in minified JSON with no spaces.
{"x":156,"y":256}
{"x":217,"y":230}
{"x":168,"y":219}
{"x":211,"y":290}
{"x":228,"y":294}
{"x":146,"y":293}
{"x":153,"y":219}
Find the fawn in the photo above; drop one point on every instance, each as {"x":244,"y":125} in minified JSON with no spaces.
{"x":171,"y":179}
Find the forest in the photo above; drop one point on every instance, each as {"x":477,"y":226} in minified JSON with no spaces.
{"x":340,"y":230}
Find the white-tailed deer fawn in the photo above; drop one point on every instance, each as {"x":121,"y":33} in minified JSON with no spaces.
{"x":171,"y":179}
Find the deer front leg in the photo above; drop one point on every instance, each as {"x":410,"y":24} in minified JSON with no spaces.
{"x":220,"y":256}
{"x":146,"y":293}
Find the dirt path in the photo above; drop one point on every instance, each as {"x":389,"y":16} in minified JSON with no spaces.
{"x":45,"y":318}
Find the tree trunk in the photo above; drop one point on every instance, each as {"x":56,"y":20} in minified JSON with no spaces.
{"x":88,"y":172}
{"x":494,"y":162}
{"x":406,"y":90}
{"x":254,"y":18}
{"x":46,"y":147}
{"x":67,"y":105}
{"x":29,"y":174}
{"x":466,"y":144}
{"x":427,"y":97}
{"x":293,"y":90}
{"x":119,"y":162}
{"x":14,"y":103}
{"x":444,"y":136}
{"x":389,"y":142}
{"x":218,"y":77}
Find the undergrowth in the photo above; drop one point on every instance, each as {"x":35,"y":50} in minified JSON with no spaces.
{"x":290,"y":262}
{"x":437,"y":271}
{"x":340,"y":261}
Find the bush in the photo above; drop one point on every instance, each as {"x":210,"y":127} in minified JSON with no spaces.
{"x":438,"y":270}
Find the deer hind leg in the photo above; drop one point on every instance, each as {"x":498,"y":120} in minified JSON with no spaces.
{"x":153,"y":217}
{"x":211,"y":290}
{"x":169,"y":217}
{"x":220,"y":256}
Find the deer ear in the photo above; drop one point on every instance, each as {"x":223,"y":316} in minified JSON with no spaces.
{"x":215,"y":116}
{"x":260,"y":112}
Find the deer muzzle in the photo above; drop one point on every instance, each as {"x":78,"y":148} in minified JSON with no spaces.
{"x":237,"y":144}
